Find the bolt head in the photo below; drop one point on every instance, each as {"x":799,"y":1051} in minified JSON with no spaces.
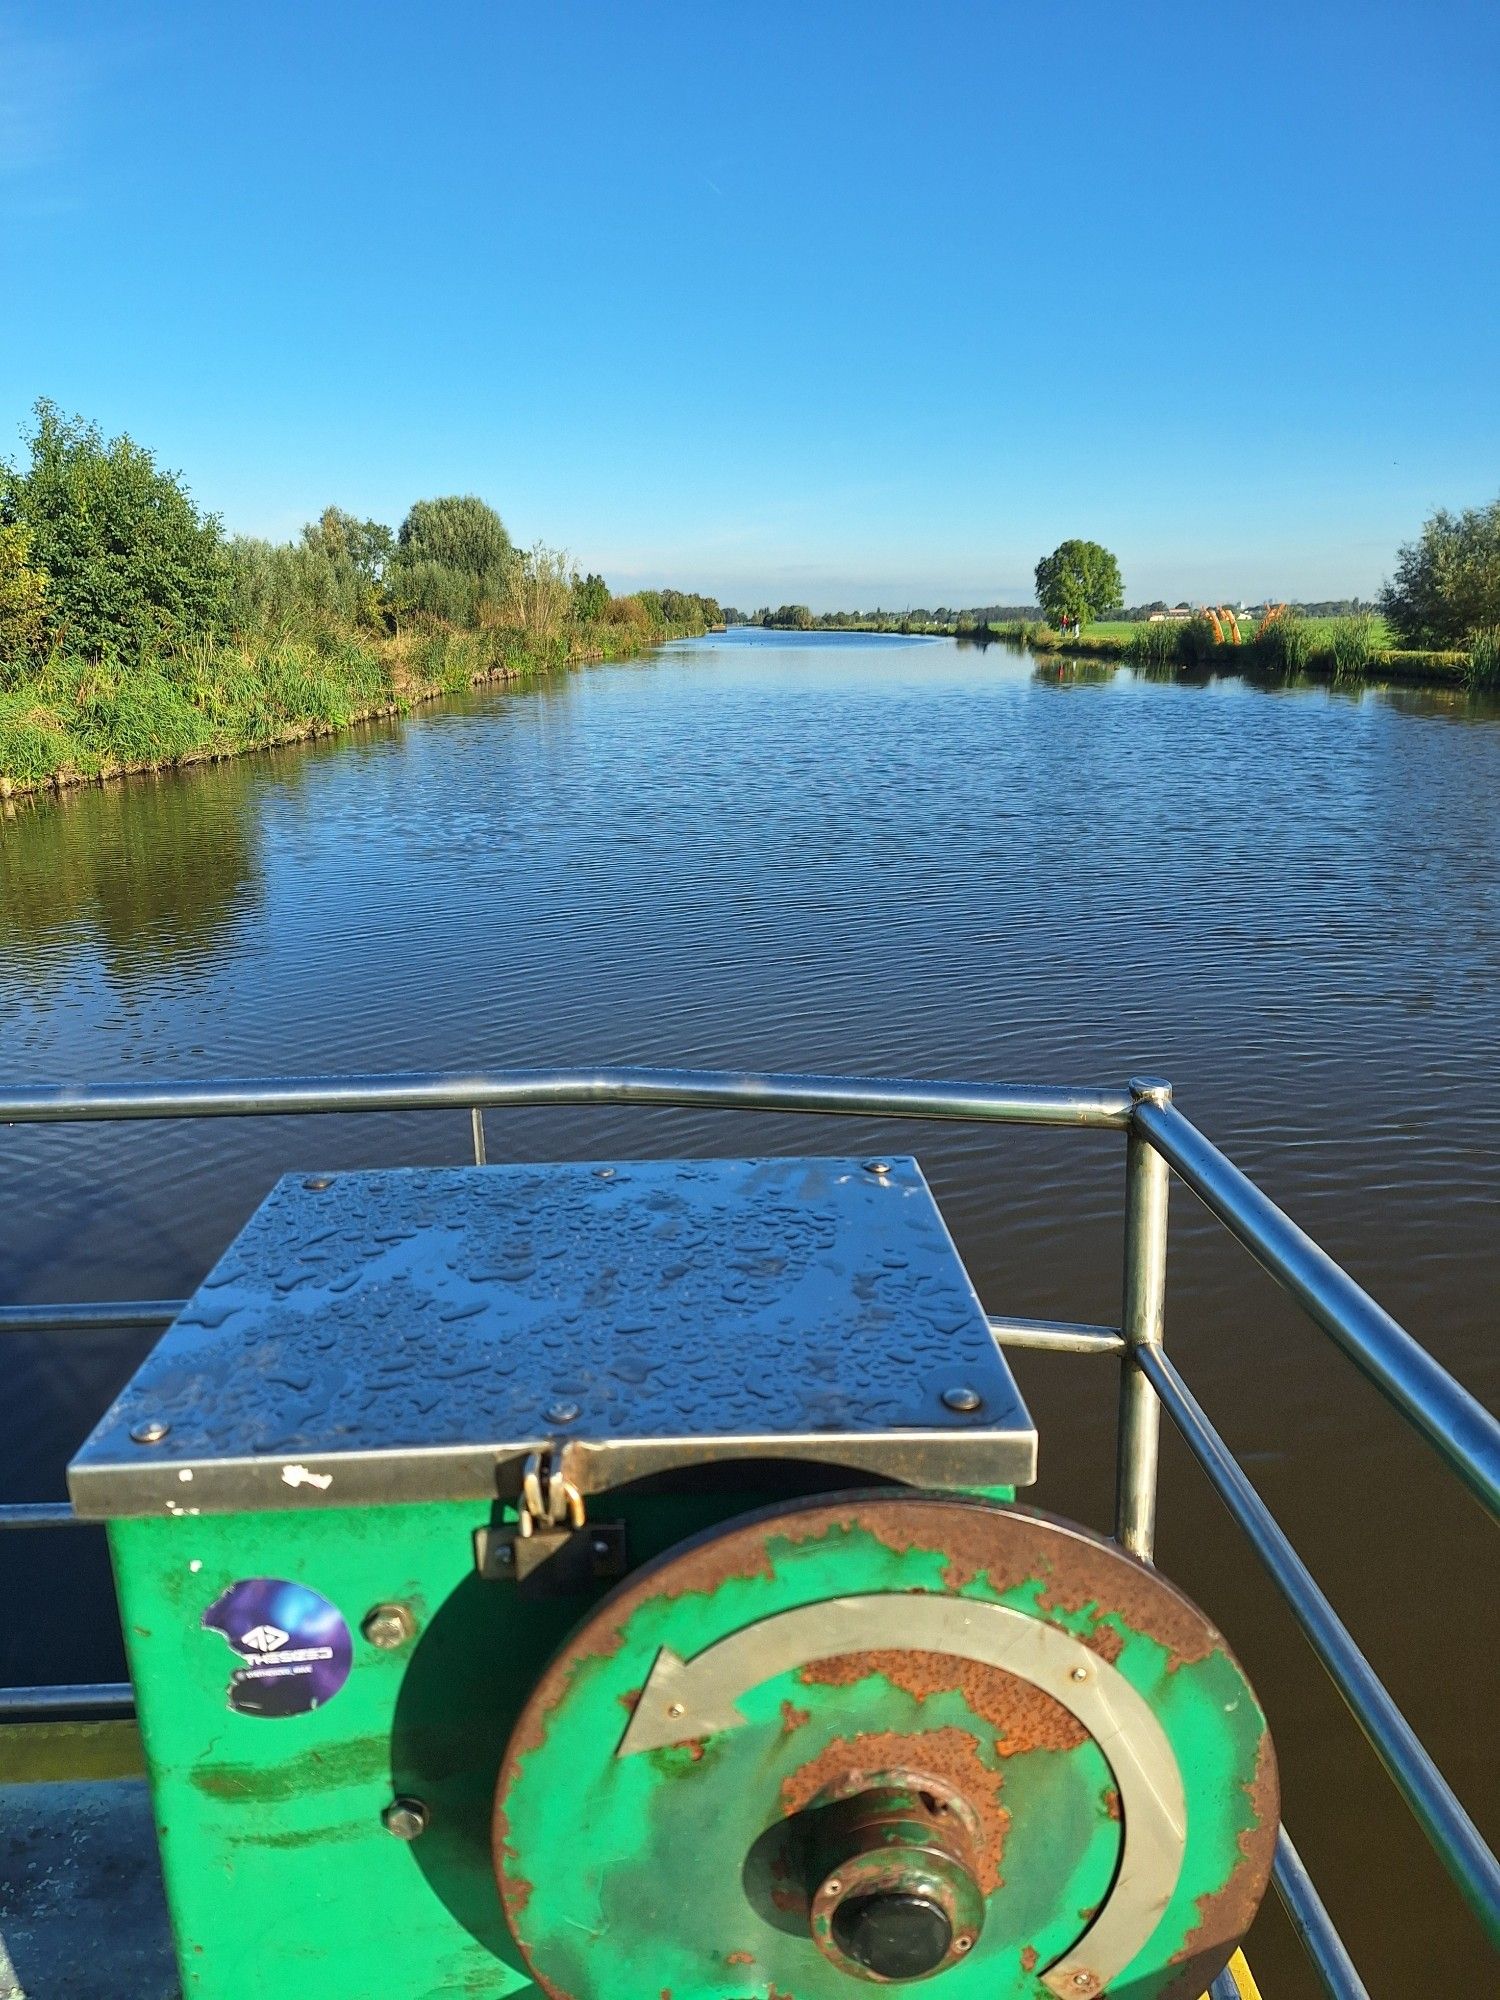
{"x":405,"y":1818}
{"x":961,"y":1397}
{"x":389,"y":1626}
{"x":878,"y":1167}
{"x":316,"y":1183}
{"x":151,"y":1431}
{"x":563,"y":1412}
{"x":1080,"y":1673}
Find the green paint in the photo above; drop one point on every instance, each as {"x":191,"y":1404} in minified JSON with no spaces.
{"x":272,"y":1844}
{"x":654,"y":1863}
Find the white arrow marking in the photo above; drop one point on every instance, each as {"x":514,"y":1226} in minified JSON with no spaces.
{"x":684,"y":1700}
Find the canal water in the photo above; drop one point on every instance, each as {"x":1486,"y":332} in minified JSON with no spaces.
{"x":891,"y":856}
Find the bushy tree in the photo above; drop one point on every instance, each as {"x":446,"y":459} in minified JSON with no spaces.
{"x":1079,"y":581}
{"x":590,"y":599}
{"x":453,"y":558}
{"x":23,"y":595}
{"x":1447,"y":582}
{"x":130,"y":561}
{"x":328,"y":581}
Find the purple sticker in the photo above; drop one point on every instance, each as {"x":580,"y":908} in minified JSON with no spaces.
{"x":293,"y":1646}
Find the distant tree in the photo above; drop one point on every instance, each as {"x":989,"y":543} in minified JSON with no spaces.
{"x":1447,"y":582}
{"x":452,"y":558}
{"x":365,"y":546}
{"x":792,"y":617}
{"x":23,"y":595}
{"x":590,"y":599}
{"x":130,"y":561}
{"x":1079,"y":580}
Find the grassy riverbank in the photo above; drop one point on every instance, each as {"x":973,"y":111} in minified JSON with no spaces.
{"x":136,"y":636}
{"x":75,"y":721}
{"x":1338,"y":648}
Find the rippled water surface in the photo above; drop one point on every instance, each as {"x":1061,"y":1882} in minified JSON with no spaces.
{"x":877,"y":855}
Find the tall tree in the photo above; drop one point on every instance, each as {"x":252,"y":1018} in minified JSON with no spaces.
{"x":1447,"y":582}
{"x":1079,"y":581}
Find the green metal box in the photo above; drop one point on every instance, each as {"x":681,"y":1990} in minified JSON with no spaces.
{"x":317,"y":1491}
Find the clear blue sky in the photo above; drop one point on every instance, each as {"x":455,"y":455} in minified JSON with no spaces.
{"x":834,"y":302}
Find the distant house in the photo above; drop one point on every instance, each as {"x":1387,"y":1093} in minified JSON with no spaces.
{"x":1178,"y":612}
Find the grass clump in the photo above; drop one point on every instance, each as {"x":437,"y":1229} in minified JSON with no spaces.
{"x":1154,"y":645}
{"x":1483,"y":670}
{"x":1283,"y":645}
{"x":1354,"y":643}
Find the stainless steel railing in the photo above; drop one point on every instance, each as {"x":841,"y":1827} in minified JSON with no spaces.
{"x":1159,"y":1139}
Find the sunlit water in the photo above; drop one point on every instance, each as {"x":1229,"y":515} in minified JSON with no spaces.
{"x":897,"y":857}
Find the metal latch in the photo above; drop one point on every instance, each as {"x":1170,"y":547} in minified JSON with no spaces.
{"x":554,"y":1548}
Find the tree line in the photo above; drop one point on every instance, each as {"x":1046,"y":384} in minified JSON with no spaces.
{"x":103,"y":555}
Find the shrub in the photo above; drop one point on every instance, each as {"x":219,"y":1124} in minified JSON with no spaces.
{"x":23,"y":596}
{"x":453,"y":558}
{"x":130,"y":561}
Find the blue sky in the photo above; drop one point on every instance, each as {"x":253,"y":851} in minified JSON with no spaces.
{"x":836,"y":302}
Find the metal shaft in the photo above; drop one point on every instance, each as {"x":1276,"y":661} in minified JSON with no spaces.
{"x":1143,"y":1326}
{"x":1455,"y":1423}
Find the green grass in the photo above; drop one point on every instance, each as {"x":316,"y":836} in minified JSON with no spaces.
{"x":68,"y":720}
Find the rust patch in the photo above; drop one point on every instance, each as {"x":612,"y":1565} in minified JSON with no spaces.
{"x":629,"y":1699}
{"x":949,"y":1755}
{"x":793,"y":1717}
{"x":1106,"y":1642}
{"x":1226,"y":1915}
{"x":1022,"y":1716}
{"x":740,"y":1958}
{"x":1028,"y":1958}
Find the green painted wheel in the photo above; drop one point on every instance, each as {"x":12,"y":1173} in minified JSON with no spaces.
{"x":885,"y":1739}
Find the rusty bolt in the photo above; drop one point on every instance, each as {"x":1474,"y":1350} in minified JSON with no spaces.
{"x":389,"y":1626}
{"x":962,"y":1397}
{"x":406,"y":1818}
{"x":152,"y":1431}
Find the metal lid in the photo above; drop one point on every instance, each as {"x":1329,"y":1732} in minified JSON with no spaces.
{"x":414,"y":1334}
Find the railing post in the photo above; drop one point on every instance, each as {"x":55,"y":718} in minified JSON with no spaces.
{"x":1142,"y":1322}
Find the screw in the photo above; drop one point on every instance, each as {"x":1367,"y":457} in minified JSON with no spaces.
{"x":563,"y":1412}
{"x":962,"y":1397}
{"x":406,"y":1818}
{"x":389,"y":1626}
{"x":1080,"y":1673}
{"x":605,"y":1173}
{"x":152,"y":1431}
{"x":877,"y":1167}
{"x":601,"y":1547}
{"x":506,"y":1554}
{"x":833,"y":1886}
{"x":963,"y":1944}
{"x":317,"y":1183}
{"x":676,"y":1711}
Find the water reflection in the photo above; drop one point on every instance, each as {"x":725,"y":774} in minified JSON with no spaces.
{"x":137,"y":875}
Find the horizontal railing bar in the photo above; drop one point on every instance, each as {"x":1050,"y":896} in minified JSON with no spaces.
{"x":40,"y":1514}
{"x":109,"y":1316}
{"x":33,"y":1704}
{"x":1455,"y":1423}
{"x":1056,"y":1336}
{"x":1313,"y":1925}
{"x":1452,"y":1834}
{"x":727,"y":1090}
